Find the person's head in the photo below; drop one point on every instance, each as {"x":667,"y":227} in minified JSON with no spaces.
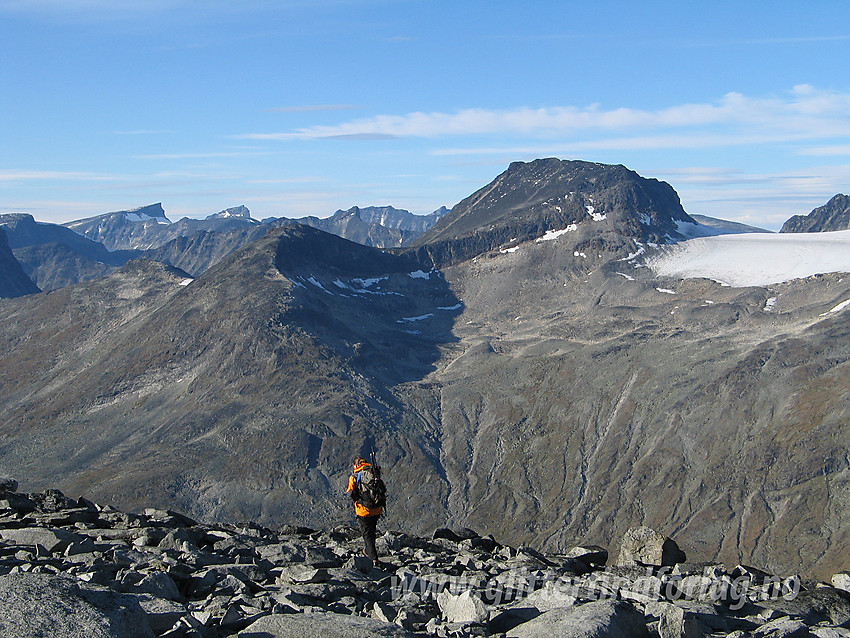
{"x":359,"y":460}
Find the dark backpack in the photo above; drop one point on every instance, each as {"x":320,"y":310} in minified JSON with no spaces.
{"x":371,"y":490}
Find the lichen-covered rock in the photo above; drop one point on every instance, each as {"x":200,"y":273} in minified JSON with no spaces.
{"x":35,"y":605}
{"x":465,"y":607}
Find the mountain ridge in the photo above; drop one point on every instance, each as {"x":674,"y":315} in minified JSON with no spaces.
{"x":834,"y":215}
{"x":55,"y":255}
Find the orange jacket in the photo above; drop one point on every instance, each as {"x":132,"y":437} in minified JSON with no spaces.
{"x":359,"y":508}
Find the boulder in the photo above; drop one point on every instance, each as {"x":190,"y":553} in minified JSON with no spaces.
{"x":841,"y":581}
{"x":84,"y":546}
{"x":824,"y":604}
{"x":34,"y":605}
{"x":645,"y":546}
{"x":675,"y":621}
{"x":8,"y":485}
{"x":591,"y":555}
{"x":465,"y":607}
{"x":360,"y":563}
{"x":302,"y":574}
{"x":447,"y":534}
{"x":507,"y":619}
{"x":160,"y":613}
{"x":53,"y":540}
{"x":177,"y":540}
{"x":16,"y":502}
{"x":599,"y":619}
{"x":384,"y":612}
{"x":52,"y":501}
{"x":158,"y":584}
{"x":829,"y":632}
{"x":319,"y":625}
{"x":554,"y":595}
{"x":782,"y":628}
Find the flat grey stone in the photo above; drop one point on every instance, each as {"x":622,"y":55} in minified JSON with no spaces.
{"x":782,"y":628}
{"x":321,"y":626}
{"x":599,"y":619}
{"x":554,"y":595}
{"x":51,"y":539}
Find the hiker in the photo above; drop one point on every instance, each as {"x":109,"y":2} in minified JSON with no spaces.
{"x":369,"y":495}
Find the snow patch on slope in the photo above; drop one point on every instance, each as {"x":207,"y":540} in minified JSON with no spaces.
{"x":554,"y":234}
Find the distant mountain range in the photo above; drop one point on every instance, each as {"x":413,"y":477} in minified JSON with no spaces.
{"x":520,"y":368}
{"x":379,"y":226}
{"x":54,"y":256}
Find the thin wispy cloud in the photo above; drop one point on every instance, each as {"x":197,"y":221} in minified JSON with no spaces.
{"x":291,"y":180}
{"x":804,"y":113}
{"x":826,"y":151}
{"x":141,"y":132}
{"x":16,"y":175}
{"x":799,"y":40}
{"x":311,"y":108}
{"x":211,"y":155}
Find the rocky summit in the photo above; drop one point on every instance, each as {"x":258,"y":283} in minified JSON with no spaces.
{"x":834,"y":215}
{"x":76,"y":568}
{"x":550,"y":195}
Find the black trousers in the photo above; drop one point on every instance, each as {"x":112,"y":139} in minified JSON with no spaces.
{"x":369,"y":529}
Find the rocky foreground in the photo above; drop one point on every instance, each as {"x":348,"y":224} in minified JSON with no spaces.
{"x":74,"y":568}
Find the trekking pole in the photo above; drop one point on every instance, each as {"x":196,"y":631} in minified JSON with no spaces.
{"x":374,"y":460}
{"x":377,"y":466}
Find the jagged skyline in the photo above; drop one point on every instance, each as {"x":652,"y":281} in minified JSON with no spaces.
{"x":300,"y":108}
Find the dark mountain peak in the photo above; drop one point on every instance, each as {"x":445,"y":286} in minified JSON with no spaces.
{"x":123,"y":229}
{"x":354,"y":211}
{"x":23,"y":231}
{"x":151,"y":212}
{"x":383,"y":215}
{"x":834,"y":215}
{"x":237,"y":212}
{"x":11,"y":218}
{"x":301,"y":246}
{"x":14,"y":282}
{"x":531,"y":198}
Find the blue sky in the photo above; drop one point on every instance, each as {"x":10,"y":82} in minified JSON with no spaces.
{"x":303,"y":107}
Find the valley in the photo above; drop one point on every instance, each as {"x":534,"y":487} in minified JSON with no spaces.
{"x":527,"y":374}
